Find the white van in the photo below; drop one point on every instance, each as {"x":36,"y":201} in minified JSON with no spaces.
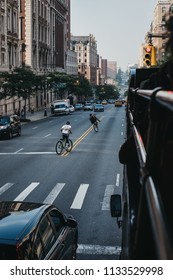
{"x":61,"y":107}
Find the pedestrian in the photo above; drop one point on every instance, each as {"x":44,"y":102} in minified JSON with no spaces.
{"x":22,"y":113}
{"x":32,"y":109}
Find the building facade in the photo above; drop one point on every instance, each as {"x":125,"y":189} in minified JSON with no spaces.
{"x":9,"y":34}
{"x":161,"y":13}
{"x":86,"y":49}
{"x":33,"y":33}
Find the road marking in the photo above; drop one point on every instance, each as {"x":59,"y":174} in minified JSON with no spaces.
{"x":79,"y":198}
{"x":121,"y":133}
{"x":54,"y":193}
{"x":5,"y":187}
{"x":19,"y":151}
{"x":117,"y":180}
{"x":47,"y":135}
{"x":98,"y":249}
{"x":106,"y":200}
{"x":26,"y":192}
{"x":29,"y":153}
{"x":35,"y":127}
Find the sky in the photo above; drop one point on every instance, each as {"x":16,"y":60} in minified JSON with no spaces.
{"x":119,"y":26}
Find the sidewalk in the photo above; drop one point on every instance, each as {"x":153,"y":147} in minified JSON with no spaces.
{"x":37,"y":115}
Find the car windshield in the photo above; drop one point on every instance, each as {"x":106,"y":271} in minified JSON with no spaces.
{"x":59,"y":106}
{"x":4,"y":121}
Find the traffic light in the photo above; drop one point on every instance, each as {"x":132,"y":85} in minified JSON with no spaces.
{"x":149,"y":55}
{"x":153,"y":56}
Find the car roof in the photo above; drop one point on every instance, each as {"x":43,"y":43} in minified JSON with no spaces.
{"x":19,"y":217}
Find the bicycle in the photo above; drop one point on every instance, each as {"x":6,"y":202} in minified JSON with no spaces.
{"x":63,"y":145}
{"x":95,"y":126}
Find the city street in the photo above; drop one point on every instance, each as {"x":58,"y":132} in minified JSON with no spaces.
{"x":79,"y":183}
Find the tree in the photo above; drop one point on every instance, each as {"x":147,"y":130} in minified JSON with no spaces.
{"x":106,"y":92}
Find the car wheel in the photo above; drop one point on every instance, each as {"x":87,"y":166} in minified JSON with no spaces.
{"x":19,"y":132}
{"x":74,"y":255}
{"x":10,"y":135}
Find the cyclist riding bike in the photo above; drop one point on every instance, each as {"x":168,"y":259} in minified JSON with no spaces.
{"x":94,"y":119}
{"x":66,"y":130}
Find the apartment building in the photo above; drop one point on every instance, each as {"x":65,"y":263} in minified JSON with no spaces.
{"x":86,"y":49}
{"x":162,"y":11}
{"x":9,"y":34}
{"x":111,"y":72}
{"x":33,"y":33}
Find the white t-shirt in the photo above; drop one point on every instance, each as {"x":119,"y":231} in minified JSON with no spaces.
{"x":66,"y":129}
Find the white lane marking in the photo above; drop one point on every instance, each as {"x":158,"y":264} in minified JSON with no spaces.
{"x":29,"y":153}
{"x":26,"y":192}
{"x":121,"y":133}
{"x":5,"y":187}
{"x":79,"y":198}
{"x":106,"y":200}
{"x":19,"y":151}
{"x":98,"y":249}
{"x":117,"y":180}
{"x":54,"y":193}
{"x":35,"y":127}
{"x":47,"y":135}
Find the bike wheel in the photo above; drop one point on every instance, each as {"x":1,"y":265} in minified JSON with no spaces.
{"x":95,"y":127}
{"x":70,"y":146}
{"x":59,"y":147}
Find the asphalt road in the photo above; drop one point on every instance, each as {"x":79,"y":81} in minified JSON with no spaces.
{"x":79,"y":183}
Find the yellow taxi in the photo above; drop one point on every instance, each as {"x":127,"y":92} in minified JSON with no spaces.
{"x":118,"y":103}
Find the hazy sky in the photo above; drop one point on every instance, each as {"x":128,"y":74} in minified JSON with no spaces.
{"x":119,"y":26}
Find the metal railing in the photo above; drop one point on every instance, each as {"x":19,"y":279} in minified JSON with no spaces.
{"x":151,"y":202}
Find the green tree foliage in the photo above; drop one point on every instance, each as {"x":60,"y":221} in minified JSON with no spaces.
{"x":106,"y":92}
{"x":20,"y":83}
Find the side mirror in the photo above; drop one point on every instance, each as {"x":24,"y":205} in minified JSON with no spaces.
{"x":115,"y":207}
{"x":71,"y":222}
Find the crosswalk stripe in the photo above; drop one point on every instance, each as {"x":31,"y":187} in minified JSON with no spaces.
{"x":5,"y":187}
{"x":54,"y":193}
{"x":26,"y":192}
{"x":98,"y":249}
{"x":79,"y":198}
{"x":106,"y":200}
{"x":50,"y":198}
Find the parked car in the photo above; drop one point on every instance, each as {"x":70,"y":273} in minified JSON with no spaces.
{"x":88,"y":107}
{"x":71,"y":108}
{"x":78,"y":107}
{"x":98,"y":108}
{"x":10,"y":125}
{"x":35,"y":231}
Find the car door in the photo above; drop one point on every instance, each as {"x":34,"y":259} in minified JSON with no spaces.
{"x":14,"y":124}
{"x":65,"y":236}
{"x":44,"y":239}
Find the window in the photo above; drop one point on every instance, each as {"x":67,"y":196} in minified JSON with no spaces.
{"x":15,"y":21}
{"x":57,"y":219}
{"x":47,"y":235}
{"x":45,"y":239}
{"x":9,"y":19}
{"x":171,"y":9}
{"x":38,"y":248}
{"x":163,"y":9}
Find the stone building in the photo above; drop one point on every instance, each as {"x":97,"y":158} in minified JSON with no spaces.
{"x":33,"y":33}
{"x":86,"y":49}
